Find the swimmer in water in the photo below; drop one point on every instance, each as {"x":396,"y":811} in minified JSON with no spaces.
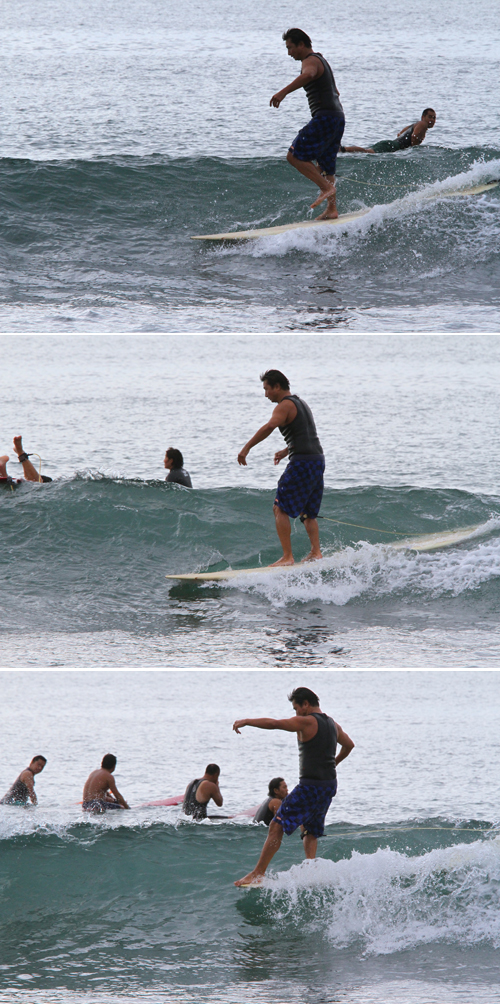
{"x":99,"y":784}
{"x":29,"y":471}
{"x":173,"y":463}
{"x":277,"y":792}
{"x":411,"y":135}
{"x":24,"y":785}
{"x":199,"y":793}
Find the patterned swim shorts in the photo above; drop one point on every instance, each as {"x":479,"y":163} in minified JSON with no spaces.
{"x":300,"y":487}
{"x":319,"y":140}
{"x":306,"y":805}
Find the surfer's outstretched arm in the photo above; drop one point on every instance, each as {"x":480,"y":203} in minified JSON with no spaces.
{"x":284,"y":724}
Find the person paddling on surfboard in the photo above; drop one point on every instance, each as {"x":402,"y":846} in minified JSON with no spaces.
{"x":300,"y":488}
{"x":199,"y":792}
{"x":308,"y":803}
{"x":30,"y":474}
{"x":266,"y":812}
{"x":319,"y":140}
{"x":24,"y":785}
{"x":100,"y":792}
{"x":412,"y":135}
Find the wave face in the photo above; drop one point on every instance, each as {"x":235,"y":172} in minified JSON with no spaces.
{"x":105,"y":546}
{"x":152,"y":906}
{"x":116,"y":233}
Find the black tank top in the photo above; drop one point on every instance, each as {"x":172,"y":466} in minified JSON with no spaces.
{"x":322,"y":93}
{"x":264,"y":813}
{"x":317,"y":756}
{"x":405,"y":139}
{"x":300,"y":435}
{"x":17,"y":793}
{"x":190,"y":806}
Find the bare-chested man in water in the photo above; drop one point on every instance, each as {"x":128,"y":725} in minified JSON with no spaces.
{"x":99,"y":784}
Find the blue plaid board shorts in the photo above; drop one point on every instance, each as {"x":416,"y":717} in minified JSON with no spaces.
{"x":319,"y":140}
{"x":306,"y":805}
{"x":300,"y":487}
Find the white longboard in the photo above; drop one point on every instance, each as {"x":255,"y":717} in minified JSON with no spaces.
{"x":427,"y":542}
{"x":240,"y":235}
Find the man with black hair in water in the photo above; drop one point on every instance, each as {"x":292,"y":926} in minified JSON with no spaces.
{"x":24,"y":785}
{"x":411,"y":135}
{"x":97,"y":788}
{"x":277,"y":791}
{"x":300,"y":488}
{"x":29,"y":471}
{"x":173,"y":463}
{"x":308,"y":803}
{"x":314,"y":150}
{"x":199,"y":793}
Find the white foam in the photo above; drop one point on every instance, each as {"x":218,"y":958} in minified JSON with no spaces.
{"x":390,"y":901}
{"x":376,"y":570}
{"x":340,"y":238}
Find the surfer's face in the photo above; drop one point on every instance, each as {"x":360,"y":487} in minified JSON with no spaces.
{"x":272,"y":393}
{"x":282,"y":790}
{"x":301,"y":709}
{"x":295,"y":51}
{"x":37,"y":766}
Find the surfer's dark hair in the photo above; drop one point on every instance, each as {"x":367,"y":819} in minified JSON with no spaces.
{"x":296,"y":35}
{"x":109,"y":761}
{"x":272,"y":377}
{"x":427,"y":110}
{"x":302,"y":694}
{"x":275,"y":783}
{"x":35,"y":759}
{"x":177,"y":458}
{"x":212,"y":768}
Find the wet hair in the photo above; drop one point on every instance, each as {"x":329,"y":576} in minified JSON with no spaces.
{"x":35,"y":759}
{"x":272,"y":377}
{"x":274,"y":783}
{"x":212,"y":768}
{"x":109,"y":761}
{"x":302,"y":694}
{"x":296,"y":35}
{"x":177,"y":458}
{"x":427,"y":110}
{"x":45,"y":478}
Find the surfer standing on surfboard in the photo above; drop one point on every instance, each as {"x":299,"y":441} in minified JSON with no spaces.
{"x":300,"y":488}
{"x":320,"y":139}
{"x":308,"y":803}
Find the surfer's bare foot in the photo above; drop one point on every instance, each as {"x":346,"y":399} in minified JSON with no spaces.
{"x":3,"y":468}
{"x":253,"y":878}
{"x":18,"y":444}
{"x":282,"y":561}
{"x":329,"y":214}
{"x":312,"y":556}
{"x":327,"y":193}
